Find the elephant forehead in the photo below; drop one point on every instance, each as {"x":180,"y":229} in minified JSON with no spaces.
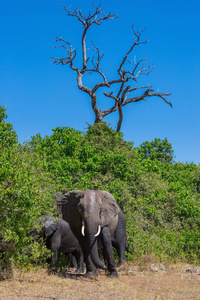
{"x":89,"y":202}
{"x":92,"y":201}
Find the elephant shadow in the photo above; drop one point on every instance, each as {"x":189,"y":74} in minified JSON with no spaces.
{"x":66,"y":274}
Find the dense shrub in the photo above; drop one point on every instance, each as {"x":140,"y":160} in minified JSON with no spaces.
{"x":26,"y":188}
{"x":158,"y":149}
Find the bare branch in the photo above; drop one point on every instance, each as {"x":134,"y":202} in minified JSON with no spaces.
{"x":126,"y":90}
{"x":138,"y":88}
{"x":99,"y":10}
{"x":71,"y":54}
{"x":99,"y":57}
{"x":137,"y":42}
{"x":119,"y":123}
{"x":147,"y":94}
{"x":120,"y":102}
{"x":91,"y":17}
{"x":87,"y":21}
{"x":110,"y":95}
{"x":120,"y":89}
{"x":76,"y":13}
{"x":161,"y":96}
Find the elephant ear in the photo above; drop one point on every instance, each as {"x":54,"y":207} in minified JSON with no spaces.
{"x":48,"y":220}
{"x":49,"y":230}
{"x":69,"y":207}
{"x":70,"y":203}
{"x":109,"y":207}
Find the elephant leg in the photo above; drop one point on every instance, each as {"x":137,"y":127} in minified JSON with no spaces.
{"x":79,"y":259}
{"x":72,"y":259}
{"x":90,"y":267}
{"x":105,"y":257}
{"x":55,"y":241}
{"x":54,"y":258}
{"x":120,"y":240}
{"x":121,"y":253}
{"x":108,"y":250}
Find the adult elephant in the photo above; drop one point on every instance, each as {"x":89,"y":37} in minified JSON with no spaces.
{"x":97,"y":221}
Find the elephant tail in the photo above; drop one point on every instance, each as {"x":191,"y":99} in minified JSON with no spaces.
{"x":49,"y":230}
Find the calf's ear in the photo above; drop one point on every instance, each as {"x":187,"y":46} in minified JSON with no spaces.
{"x":51,"y":229}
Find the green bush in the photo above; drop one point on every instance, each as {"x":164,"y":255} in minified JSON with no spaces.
{"x":25,"y":194}
{"x":8,"y":136}
{"x":26,"y":188}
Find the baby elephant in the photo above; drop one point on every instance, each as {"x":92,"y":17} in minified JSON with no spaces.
{"x":59,"y":238}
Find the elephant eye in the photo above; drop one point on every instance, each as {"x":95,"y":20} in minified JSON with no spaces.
{"x":80,"y":208}
{"x":100,"y":213}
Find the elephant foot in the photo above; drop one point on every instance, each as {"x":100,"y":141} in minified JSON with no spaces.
{"x":90,"y":274}
{"x":121,"y":265}
{"x":52,"y":271}
{"x":80,"y":270}
{"x":113,"y":274}
{"x":74,"y":269}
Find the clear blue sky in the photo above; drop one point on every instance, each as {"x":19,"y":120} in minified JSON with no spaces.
{"x":39,"y":95}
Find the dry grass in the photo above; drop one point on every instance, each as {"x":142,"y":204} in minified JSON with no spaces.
{"x":141,"y":283}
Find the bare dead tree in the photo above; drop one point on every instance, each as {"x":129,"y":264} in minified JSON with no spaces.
{"x":125,"y":78}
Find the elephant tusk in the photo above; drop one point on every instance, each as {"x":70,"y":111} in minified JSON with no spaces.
{"x":83,"y":230}
{"x":99,"y":230}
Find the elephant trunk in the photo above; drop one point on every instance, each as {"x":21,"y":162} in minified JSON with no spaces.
{"x":95,"y":256}
{"x":93,"y":247}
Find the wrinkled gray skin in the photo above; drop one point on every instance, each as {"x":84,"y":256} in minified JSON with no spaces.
{"x":59,"y":238}
{"x":96,"y":210}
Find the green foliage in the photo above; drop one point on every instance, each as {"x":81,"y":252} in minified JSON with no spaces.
{"x":8,"y":136}
{"x":158,"y":149}
{"x":25,"y":194}
{"x":197,"y":178}
{"x":60,"y":153}
{"x":103,"y":137}
{"x":26,"y":188}
{"x":160,"y":198}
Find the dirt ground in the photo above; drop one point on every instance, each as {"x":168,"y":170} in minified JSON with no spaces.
{"x":135,"y":282}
